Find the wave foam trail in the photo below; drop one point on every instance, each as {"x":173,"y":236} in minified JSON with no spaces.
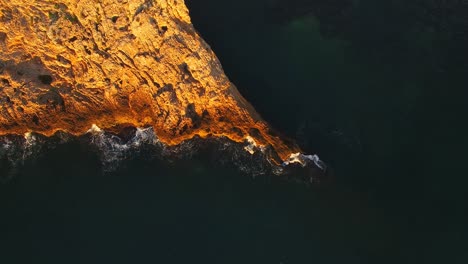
{"x":18,"y":149}
{"x":30,"y":142}
{"x":252,"y":145}
{"x":15,"y":150}
{"x":114,"y":149}
{"x":304,"y":160}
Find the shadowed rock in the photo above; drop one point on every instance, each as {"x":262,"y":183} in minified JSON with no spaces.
{"x":72,"y":64}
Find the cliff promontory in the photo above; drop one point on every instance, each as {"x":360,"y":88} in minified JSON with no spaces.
{"x":66,"y":65}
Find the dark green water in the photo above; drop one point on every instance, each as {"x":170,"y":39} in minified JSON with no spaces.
{"x":376,"y":88}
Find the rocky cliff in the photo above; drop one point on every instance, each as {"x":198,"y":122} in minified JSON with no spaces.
{"x":66,"y":65}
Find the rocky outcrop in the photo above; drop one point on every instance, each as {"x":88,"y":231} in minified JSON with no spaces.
{"x":66,"y":65}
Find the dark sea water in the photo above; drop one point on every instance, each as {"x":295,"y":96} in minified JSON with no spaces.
{"x":376,"y":88}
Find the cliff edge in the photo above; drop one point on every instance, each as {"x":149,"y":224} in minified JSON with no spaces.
{"x":66,"y":65}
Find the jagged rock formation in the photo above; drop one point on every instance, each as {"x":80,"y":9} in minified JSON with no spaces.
{"x":66,"y":65}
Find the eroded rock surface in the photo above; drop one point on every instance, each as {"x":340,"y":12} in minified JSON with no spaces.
{"x":66,"y":65}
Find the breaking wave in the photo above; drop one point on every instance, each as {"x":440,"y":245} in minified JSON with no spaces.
{"x":113,"y":149}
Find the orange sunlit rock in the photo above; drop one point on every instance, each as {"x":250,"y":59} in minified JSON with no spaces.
{"x":66,"y":65}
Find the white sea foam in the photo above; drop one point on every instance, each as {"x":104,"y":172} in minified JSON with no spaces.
{"x":113,"y":149}
{"x":251,"y":157}
{"x":300,"y":158}
{"x":252,"y":145}
{"x":16,"y":150}
{"x":6,"y":145}
{"x":303,"y":160}
{"x":30,"y":142}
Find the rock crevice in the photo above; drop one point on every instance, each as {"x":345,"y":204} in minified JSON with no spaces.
{"x":66,"y":65}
